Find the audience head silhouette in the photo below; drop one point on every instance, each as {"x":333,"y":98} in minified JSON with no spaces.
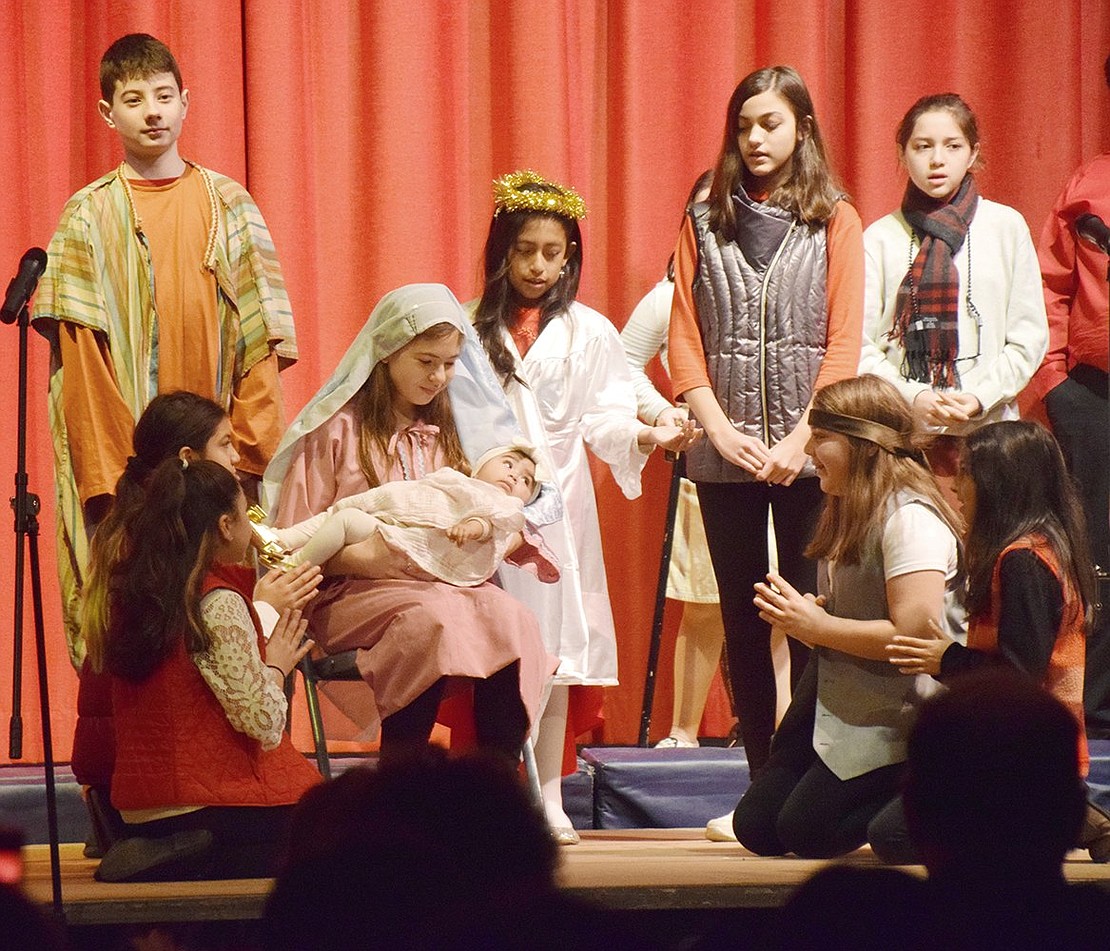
{"x":425,"y":851}
{"x":993,"y":779}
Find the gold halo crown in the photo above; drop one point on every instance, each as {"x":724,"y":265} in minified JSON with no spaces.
{"x":509,"y":196}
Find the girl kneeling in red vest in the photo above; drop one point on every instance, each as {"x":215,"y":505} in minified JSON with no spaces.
{"x":202,"y":759}
{"x":1031,"y":586}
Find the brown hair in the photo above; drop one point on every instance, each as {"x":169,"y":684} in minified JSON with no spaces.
{"x":154,"y":591}
{"x":135,"y":56}
{"x":374,"y":411}
{"x":704,"y":181}
{"x":170,"y":422}
{"x":811,"y":192}
{"x":847,"y":521}
{"x":948,"y":102}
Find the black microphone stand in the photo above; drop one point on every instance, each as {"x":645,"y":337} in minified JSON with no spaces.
{"x":26,"y":506}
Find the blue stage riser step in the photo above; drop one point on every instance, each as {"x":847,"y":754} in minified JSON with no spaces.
{"x":613,"y":788}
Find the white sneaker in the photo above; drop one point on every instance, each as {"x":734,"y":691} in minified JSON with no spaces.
{"x":720,"y":829}
{"x":675,"y":743}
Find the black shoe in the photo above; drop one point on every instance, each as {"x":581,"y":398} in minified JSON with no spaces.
{"x":172,"y":857}
{"x":1095,"y":834}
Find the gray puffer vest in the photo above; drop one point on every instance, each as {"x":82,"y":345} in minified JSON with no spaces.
{"x":762,"y":309}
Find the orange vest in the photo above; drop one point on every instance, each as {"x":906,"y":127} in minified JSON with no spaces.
{"x":176,"y":747}
{"x":1064,"y":676}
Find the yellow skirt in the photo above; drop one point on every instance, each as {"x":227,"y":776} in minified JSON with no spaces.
{"x":690,"y":576}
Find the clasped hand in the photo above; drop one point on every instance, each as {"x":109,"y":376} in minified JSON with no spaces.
{"x":747,"y":452}
{"x":945,"y":407}
{"x":777,"y":465}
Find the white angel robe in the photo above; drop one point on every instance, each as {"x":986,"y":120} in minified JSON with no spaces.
{"x":580,"y":394}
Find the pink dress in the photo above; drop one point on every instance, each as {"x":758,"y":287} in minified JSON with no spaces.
{"x":408,"y":633}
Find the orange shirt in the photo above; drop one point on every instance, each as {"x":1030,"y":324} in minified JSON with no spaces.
{"x":844,"y":292}
{"x":175,"y":217}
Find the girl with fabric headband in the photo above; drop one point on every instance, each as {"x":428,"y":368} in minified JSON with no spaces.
{"x":889,"y":566}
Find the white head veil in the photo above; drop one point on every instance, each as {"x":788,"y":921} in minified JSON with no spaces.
{"x":481,"y":412}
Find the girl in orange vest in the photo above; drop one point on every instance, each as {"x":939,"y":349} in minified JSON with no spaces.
{"x":1031,"y":583}
{"x":197,"y":692}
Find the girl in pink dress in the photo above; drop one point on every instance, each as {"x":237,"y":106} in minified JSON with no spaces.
{"x":386,"y":415}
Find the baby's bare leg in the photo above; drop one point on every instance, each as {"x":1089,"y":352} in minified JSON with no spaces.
{"x":338,"y":530}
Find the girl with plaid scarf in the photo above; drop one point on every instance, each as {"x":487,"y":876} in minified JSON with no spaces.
{"x":953,"y":310}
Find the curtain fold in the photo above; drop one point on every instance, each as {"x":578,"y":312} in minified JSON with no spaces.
{"x":368,"y":133}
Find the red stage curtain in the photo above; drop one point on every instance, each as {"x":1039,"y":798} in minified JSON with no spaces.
{"x":369,"y":133}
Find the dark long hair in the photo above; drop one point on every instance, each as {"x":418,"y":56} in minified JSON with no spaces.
{"x":499,"y":301}
{"x":1022,"y":487}
{"x":170,"y":422}
{"x":810,"y":193}
{"x":154,"y":597}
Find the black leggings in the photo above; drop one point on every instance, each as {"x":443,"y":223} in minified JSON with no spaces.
{"x":797,"y":804}
{"x":500,"y":720}
{"x":735,"y":517}
{"x":248,"y":841}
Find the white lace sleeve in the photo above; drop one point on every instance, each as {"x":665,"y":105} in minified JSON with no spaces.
{"x":252,"y":699}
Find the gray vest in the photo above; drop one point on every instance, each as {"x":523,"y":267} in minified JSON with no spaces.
{"x":865,"y":708}
{"x":763,"y":314}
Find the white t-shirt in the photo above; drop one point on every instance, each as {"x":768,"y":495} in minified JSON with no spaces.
{"x":915,"y":538}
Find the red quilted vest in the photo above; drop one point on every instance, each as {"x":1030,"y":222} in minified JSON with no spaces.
{"x":1064,"y":677}
{"x":175,"y":746}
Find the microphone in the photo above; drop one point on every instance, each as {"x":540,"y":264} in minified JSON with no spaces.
{"x":22,"y":286}
{"x":1094,"y":229}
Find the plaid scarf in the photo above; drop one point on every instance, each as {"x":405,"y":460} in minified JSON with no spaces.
{"x":927,"y":309}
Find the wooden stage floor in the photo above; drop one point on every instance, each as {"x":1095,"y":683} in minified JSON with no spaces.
{"x":634,"y":869}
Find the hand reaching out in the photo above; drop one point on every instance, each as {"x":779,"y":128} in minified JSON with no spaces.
{"x":672,"y":437}
{"x":673,"y":416}
{"x":919,"y":655}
